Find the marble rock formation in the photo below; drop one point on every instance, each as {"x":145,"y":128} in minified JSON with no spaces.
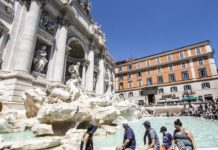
{"x":60,"y":112}
{"x":9,"y":125}
{"x":71,"y":109}
{"x":105,"y":115}
{"x":40,"y":143}
{"x":42,"y":129}
{"x":33,"y":100}
{"x":60,"y":94}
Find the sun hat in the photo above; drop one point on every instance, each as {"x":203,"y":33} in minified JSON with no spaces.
{"x":125,"y":122}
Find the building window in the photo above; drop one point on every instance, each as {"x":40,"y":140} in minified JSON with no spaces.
{"x":139,"y":74}
{"x":200,"y":98}
{"x":205,"y":85}
{"x":138,"y":65}
{"x":160,"y":80}
{"x":172,"y":78}
{"x":173,"y":89}
{"x":121,"y":95}
{"x":170,"y":67}
{"x":185,"y":75}
{"x":161,"y":90}
{"x":200,"y":61}
{"x":170,"y":57}
{"x":149,"y":81}
{"x":130,"y":94}
{"x":198,"y":51}
{"x":149,"y":72}
{"x":129,"y":67}
{"x":128,"y":76}
{"x":181,"y":54}
{"x":159,"y":70}
{"x":148,"y":63}
{"x":120,"y":86}
{"x":158,"y":60}
{"x":120,"y":69}
{"x":141,"y":93}
{"x":187,"y":87}
{"x":183,"y":64}
{"x":202,"y":72}
{"x":120,"y":77}
{"x":130,"y":84}
{"x":139,"y":83}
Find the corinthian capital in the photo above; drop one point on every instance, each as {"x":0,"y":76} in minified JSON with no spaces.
{"x":63,"y":21}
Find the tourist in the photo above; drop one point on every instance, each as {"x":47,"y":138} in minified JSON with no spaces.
{"x":129,"y":142}
{"x":153,"y":141}
{"x":87,"y":139}
{"x":167,"y":139}
{"x":183,"y":137}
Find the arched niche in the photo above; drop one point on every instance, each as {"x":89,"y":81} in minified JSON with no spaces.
{"x":75,"y":53}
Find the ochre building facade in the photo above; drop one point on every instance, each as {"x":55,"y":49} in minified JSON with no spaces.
{"x":186,"y":73}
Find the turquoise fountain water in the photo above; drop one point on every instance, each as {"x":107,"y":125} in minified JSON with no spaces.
{"x":19,"y":136}
{"x":204,"y":131}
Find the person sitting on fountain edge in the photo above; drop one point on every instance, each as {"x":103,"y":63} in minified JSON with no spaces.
{"x":153,"y":140}
{"x":167,"y":139}
{"x":87,"y":141}
{"x":129,"y":142}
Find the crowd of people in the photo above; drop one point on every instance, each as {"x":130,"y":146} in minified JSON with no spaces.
{"x":207,"y":110}
{"x":182,"y":139}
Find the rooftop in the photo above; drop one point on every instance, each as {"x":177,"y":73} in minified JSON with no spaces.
{"x":163,"y":52}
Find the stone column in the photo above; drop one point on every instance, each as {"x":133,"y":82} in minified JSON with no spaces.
{"x":90,"y":71}
{"x":101,"y":77}
{"x":109,"y":81}
{"x":25,"y":51}
{"x":3,"y":39}
{"x":59,"y":54}
{"x":212,"y":64}
{"x":192,"y":69}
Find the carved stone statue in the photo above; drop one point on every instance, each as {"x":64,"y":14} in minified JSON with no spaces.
{"x":74,"y":70}
{"x":40,"y":61}
{"x":97,"y":31}
{"x":86,"y":5}
{"x":47,"y":23}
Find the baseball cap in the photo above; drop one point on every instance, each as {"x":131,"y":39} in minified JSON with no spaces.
{"x":163,"y":129}
{"x":147,"y":123}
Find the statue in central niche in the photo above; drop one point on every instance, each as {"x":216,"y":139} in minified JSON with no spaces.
{"x":74,"y":70}
{"x":40,"y":60}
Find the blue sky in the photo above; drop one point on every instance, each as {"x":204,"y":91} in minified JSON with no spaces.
{"x":137,"y":28}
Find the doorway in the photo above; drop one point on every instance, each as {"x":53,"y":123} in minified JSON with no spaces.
{"x":151,"y":100}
